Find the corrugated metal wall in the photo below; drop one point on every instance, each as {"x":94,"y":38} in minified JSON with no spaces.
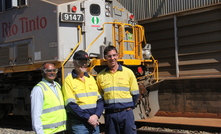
{"x":185,"y":35}
{"x":152,"y":8}
{"x":187,"y":44}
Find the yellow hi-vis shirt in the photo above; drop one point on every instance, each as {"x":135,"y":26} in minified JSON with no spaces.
{"x":118,"y":87}
{"x":84,"y":93}
{"x":53,"y":115}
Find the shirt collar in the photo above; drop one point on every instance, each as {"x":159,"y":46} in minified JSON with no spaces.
{"x":74,"y":75}
{"x":48,"y":83}
{"x":119,"y":68}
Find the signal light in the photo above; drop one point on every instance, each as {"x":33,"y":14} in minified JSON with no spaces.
{"x":74,"y":9}
{"x":131,"y":17}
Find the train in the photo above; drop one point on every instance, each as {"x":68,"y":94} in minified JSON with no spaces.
{"x":38,"y":31}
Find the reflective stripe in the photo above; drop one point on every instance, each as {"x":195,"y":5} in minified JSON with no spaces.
{"x":70,"y":100}
{"x":86,"y":94}
{"x":135,"y":92}
{"x":57,"y":84}
{"x":42,"y":85}
{"x":52,"y":109}
{"x":88,"y":106}
{"x":118,"y":100}
{"x":116,"y":89}
{"x":99,"y":97}
{"x":54,"y":125}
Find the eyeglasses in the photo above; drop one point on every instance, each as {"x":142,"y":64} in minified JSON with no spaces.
{"x":50,"y":70}
{"x":83,"y":62}
{"x":113,"y":55}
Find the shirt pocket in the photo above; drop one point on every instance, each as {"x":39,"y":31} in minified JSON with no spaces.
{"x":92,"y":87}
{"x":105,"y":84}
{"x":78,"y":90}
{"x":121,"y":83}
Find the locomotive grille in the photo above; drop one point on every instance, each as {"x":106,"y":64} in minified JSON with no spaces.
{"x":22,"y":54}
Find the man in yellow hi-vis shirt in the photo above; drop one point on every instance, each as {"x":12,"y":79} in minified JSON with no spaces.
{"x":83,"y":102}
{"x":119,"y":89}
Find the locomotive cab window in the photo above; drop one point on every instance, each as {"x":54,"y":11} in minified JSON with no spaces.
{"x":95,"y":9}
{"x":11,"y":4}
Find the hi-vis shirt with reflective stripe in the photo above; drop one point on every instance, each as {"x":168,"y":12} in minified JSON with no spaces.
{"x":53,"y":115}
{"x":118,"y":87}
{"x":85,"y":94}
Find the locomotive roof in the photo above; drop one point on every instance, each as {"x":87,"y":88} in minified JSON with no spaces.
{"x":61,"y":1}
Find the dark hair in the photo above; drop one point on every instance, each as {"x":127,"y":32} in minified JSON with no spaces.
{"x":109,"y":48}
{"x":43,"y":65}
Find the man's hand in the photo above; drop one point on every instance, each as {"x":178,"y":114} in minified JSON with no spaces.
{"x":93,"y":120}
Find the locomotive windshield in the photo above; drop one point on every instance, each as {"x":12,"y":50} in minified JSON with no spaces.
{"x":95,"y":10}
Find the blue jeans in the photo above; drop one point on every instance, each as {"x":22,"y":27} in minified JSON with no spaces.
{"x":81,"y":127}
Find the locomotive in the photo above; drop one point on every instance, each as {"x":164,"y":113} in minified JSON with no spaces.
{"x":38,"y":31}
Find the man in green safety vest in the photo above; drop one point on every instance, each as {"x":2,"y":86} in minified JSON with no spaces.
{"x":47,"y":104}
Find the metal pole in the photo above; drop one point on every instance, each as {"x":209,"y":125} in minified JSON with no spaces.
{"x":176,"y":46}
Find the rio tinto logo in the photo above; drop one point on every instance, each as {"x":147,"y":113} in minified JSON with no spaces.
{"x":25,"y":25}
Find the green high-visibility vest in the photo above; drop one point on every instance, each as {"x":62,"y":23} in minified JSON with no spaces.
{"x":53,"y":116}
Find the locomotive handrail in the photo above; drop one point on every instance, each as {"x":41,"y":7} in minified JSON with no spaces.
{"x":71,"y":53}
{"x":139,"y":40}
{"x":156,"y":71}
{"x":114,"y":39}
{"x":98,"y":35}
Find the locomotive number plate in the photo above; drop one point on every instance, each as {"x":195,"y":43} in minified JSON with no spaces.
{"x":70,"y":17}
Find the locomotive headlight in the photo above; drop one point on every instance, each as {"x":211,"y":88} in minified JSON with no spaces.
{"x":107,"y":13}
{"x":107,"y":6}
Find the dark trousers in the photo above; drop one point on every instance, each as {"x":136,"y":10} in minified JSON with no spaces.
{"x":120,"y":122}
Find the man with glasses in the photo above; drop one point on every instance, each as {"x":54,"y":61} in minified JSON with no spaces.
{"x":83,"y":102}
{"x":119,"y":88}
{"x":47,"y":104}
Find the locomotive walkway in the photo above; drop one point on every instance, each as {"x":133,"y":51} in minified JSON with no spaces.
{"x":212,"y":122}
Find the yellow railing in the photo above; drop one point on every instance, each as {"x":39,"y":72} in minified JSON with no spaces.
{"x":138,"y":38}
